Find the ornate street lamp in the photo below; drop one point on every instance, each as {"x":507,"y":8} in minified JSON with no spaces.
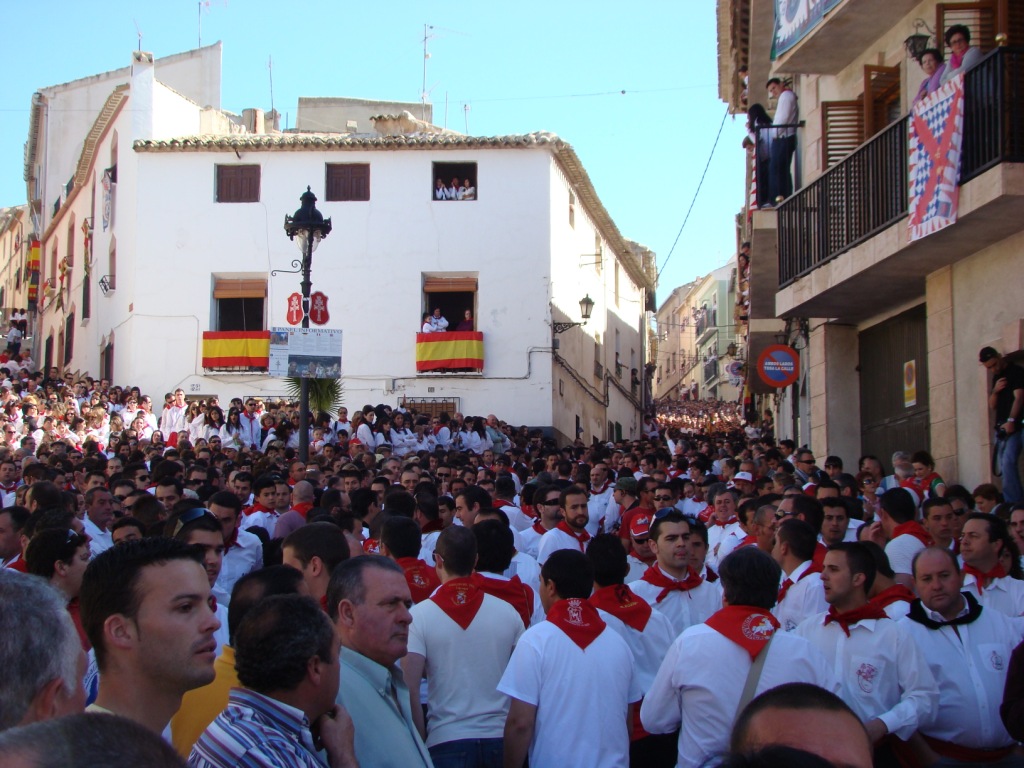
{"x":306,"y":229}
{"x":586,"y":308}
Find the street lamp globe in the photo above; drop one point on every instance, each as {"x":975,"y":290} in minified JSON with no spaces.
{"x":586,"y":307}
{"x":307,"y":226}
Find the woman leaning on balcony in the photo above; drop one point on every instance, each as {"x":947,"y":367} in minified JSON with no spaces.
{"x":964,"y":56}
{"x":933,"y":66}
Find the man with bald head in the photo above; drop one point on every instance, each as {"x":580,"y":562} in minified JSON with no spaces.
{"x":303,"y":499}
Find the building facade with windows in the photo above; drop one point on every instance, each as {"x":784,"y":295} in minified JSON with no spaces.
{"x":888,"y":328}
{"x":188,"y":252}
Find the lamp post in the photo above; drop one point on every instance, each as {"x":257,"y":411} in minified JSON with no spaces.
{"x":586,"y":307}
{"x":306,"y":229}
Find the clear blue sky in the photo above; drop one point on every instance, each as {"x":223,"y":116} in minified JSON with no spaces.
{"x":560,"y":66}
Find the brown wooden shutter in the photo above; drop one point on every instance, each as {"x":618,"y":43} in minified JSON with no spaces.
{"x":239,"y":288}
{"x":881,"y":98}
{"x":449,"y":284}
{"x":348,"y":181}
{"x":842,"y":130}
{"x":978,"y":16}
{"x":238,"y":183}
{"x":1010,"y":21}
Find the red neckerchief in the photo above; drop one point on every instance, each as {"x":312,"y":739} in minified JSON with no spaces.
{"x":750,"y":540}
{"x":323,"y":603}
{"x":712,"y":577}
{"x":784,"y":589}
{"x":76,"y":617}
{"x":867,"y":611}
{"x":233,"y":541}
{"x":539,"y":528}
{"x":17,"y":563}
{"x":9,"y":487}
{"x":433,"y":525}
{"x":257,"y":507}
{"x":578,"y":619}
{"x":653,"y":575}
{"x":421,"y":577}
{"x":749,"y":627}
{"x":513,"y":592}
{"x":303,"y":508}
{"x":460,"y":599}
{"x":529,"y":511}
{"x":622,"y":603}
{"x":818,"y":561}
{"x":915,"y":529}
{"x":893,"y":594}
{"x":582,"y":537}
{"x":730,"y":521}
{"x":598,"y":491}
{"x":981,"y":577}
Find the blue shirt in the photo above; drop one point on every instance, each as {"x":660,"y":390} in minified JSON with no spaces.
{"x":256,"y":731}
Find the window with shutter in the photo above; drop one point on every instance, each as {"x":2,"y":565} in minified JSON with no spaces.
{"x":979,"y":16}
{"x":348,"y":182}
{"x":882,"y":98}
{"x":842,"y":130}
{"x":238,"y":183}
{"x":240,"y":303}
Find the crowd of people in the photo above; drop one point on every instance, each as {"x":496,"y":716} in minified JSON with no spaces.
{"x":449,"y":590}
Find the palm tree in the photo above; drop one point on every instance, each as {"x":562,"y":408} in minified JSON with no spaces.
{"x":325,"y":395}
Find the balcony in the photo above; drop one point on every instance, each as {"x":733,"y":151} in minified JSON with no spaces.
{"x":710,"y":370}
{"x":843,"y":34}
{"x":450,"y":352}
{"x":840,"y":255}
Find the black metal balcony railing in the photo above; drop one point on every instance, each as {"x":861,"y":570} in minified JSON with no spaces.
{"x":710,"y":369}
{"x":867,"y":191}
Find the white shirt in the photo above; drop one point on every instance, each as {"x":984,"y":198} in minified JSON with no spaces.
{"x":882,"y":672}
{"x":265,"y":520}
{"x":554,"y":540}
{"x":222,"y":635}
{"x":518,"y":519}
{"x":530,"y":539}
{"x":722,"y":540}
{"x":99,"y":540}
{"x":245,"y":555}
{"x":527,"y":569}
{"x":649,"y":646}
{"x":597,"y":507}
{"x":463,"y":667}
{"x":683,"y":609}
{"x":637,"y":567}
{"x":804,"y":599}
{"x":427,"y":543}
{"x":969,"y":665}
{"x":581,"y":716}
{"x":1005,"y":595}
{"x":901,"y":551}
{"x":700,"y":682}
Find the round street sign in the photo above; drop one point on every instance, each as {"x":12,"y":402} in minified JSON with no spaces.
{"x":778,"y":365}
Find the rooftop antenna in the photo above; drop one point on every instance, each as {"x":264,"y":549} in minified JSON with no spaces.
{"x":270,"y":70}
{"x":465,"y":113}
{"x":426,"y":55}
{"x":138,"y":31}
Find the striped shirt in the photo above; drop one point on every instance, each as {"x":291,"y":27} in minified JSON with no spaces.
{"x":255,"y":731}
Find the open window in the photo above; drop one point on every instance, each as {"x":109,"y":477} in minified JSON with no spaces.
{"x":453,"y":296}
{"x":240,"y":304}
{"x":454,"y":181}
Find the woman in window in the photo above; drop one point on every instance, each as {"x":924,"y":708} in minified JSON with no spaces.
{"x":468,"y":191}
{"x":466,"y":324}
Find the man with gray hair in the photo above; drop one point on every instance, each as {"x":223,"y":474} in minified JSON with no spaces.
{"x":40,"y":653}
{"x":724,"y":529}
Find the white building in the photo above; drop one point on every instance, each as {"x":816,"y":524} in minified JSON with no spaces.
{"x":194,"y":234}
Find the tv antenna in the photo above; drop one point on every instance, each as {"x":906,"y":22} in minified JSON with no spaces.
{"x":138,"y":31}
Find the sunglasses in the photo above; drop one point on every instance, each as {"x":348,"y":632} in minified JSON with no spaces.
{"x":663,"y":498}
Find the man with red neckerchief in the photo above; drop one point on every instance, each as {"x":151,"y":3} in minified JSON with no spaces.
{"x":316,"y":550}
{"x":983,"y":541}
{"x":703,"y":697}
{"x":897,"y":511}
{"x":400,"y":540}
{"x":571,"y":532}
{"x":243,"y":551}
{"x":262,"y":512}
{"x":800,"y":593}
{"x":495,"y":550}
{"x":644,"y":506}
{"x":640,"y":557}
{"x":600,"y":497}
{"x":462,"y":638}
{"x":647,"y":632}
{"x":671,"y":586}
{"x":885,"y":679}
{"x":724,"y":529}
{"x":561,"y":712}
{"x":547,"y":501}
{"x":893,"y":598}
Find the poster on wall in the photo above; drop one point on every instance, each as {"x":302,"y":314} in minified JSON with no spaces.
{"x":794,"y":19}
{"x":308,"y":353}
{"x":910,"y":384}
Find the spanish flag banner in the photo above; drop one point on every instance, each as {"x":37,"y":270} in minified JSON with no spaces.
{"x":33,"y":256}
{"x":448,"y":351}
{"x":236,"y":349}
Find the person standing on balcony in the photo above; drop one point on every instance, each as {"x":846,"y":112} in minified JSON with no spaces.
{"x":783,"y":141}
{"x":1006,"y":398}
{"x":759,"y":142}
{"x":958,"y":38}
{"x":934,"y":68}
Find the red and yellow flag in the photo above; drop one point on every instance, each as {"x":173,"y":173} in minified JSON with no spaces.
{"x":236,"y":349}
{"x":447,"y":351}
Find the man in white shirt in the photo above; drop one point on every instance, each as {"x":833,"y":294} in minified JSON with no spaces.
{"x":99,"y":514}
{"x":562,"y":713}
{"x":983,"y":541}
{"x":671,"y":586}
{"x":885,"y":679}
{"x":939,"y":520}
{"x":547,"y":500}
{"x":172,"y":418}
{"x":783,"y":140}
{"x":968,"y":650}
{"x":897,"y":513}
{"x":462,"y":638}
{"x":724,"y":529}
{"x":800,"y":593}
{"x":571,"y":532}
{"x":600,"y":497}
{"x":243,"y":550}
{"x":504,"y":493}
{"x":702,"y":677}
